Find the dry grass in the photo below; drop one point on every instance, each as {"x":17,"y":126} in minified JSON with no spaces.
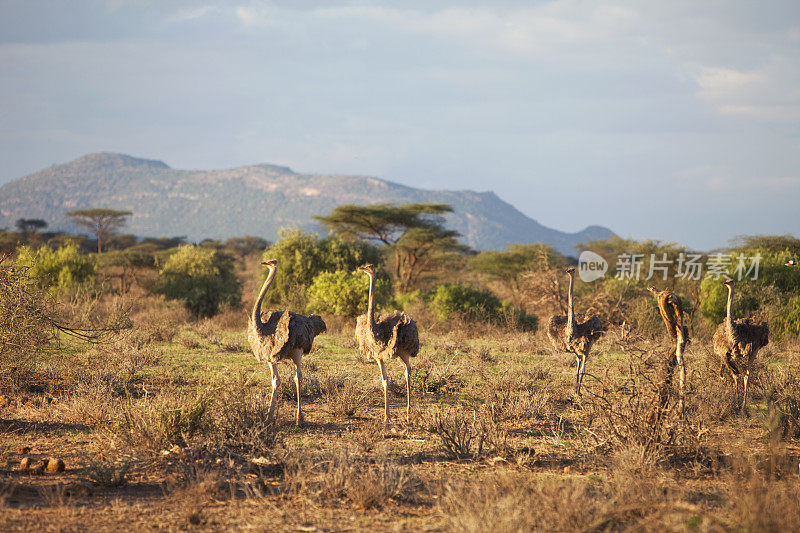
{"x":496,"y":441}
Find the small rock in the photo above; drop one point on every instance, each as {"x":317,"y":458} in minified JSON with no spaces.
{"x":25,"y":463}
{"x":24,"y":450}
{"x":55,"y":465}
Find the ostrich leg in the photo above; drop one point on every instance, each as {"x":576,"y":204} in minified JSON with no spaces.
{"x":276,"y":382}
{"x":581,"y":371}
{"x":298,"y":378}
{"x":408,"y":387}
{"x":385,"y":383}
{"x":681,"y":372}
{"x":744,"y":393}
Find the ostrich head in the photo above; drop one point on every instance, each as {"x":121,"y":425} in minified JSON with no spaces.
{"x":570,"y":270}
{"x":367,"y":269}
{"x":652,"y":289}
{"x":271,"y":263}
{"x":729,"y":283}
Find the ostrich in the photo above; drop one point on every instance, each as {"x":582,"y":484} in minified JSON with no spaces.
{"x":574,"y":333}
{"x":391,"y":336}
{"x":283,"y":335}
{"x":737,"y":342}
{"x":671,"y":309}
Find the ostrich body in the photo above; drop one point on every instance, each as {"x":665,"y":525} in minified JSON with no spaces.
{"x":574,"y":333}
{"x":737,"y":342}
{"x":282,"y":335}
{"x":387,"y":337}
{"x":671,"y":309}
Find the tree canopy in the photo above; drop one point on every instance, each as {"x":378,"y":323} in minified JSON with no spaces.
{"x":414,"y":232}
{"x":30,"y":225}
{"x":100,"y":221}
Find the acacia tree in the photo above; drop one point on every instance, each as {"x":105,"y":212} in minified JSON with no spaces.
{"x":101,"y":222}
{"x":509,"y":266}
{"x":30,"y":227}
{"x":414,"y":232}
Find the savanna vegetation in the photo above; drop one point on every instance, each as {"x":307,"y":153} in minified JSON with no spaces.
{"x":127,"y":361}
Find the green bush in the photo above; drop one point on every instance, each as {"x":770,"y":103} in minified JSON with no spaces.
{"x":344,"y":293}
{"x":57,"y":270}
{"x":467,"y":303}
{"x":461,"y":301}
{"x":302,"y":256}
{"x":202,"y":277}
{"x":788,"y":320}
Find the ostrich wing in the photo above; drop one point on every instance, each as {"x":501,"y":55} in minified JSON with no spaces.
{"x":302,"y":330}
{"x":556,"y":327}
{"x":270,"y":341}
{"x":748,"y":332}
{"x":405,"y":336}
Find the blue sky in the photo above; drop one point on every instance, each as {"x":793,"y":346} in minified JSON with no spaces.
{"x":671,"y":120}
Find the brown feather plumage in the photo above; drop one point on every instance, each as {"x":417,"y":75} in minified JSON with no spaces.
{"x":282,"y":332}
{"x":585,"y":333}
{"x":736,"y":343}
{"x":738,"y":348}
{"x":391,"y":335}
{"x":670,"y":307}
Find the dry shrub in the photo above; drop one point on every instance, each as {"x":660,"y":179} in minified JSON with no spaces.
{"x":154,"y":423}
{"x":55,"y":495}
{"x":639,"y":407}
{"x":431,"y":377}
{"x":230,"y":318}
{"x":158,"y":318}
{"x":510,"y":396}
{"x":762,"y":500}
{"x":368,"y":435}
{"x":373,"y":486}
{"x":342,"y":396}
{"x":634,"y":472}
{"x":188,"y":340}
{"x":332,"y":476}
{"x":783,"y":403}
{"x":509,"y":502}
{"x":196,"y":488}
{"x":108,"y":474}
{"x":462,"y":436}
{"x":131,"y":351}
{"x":240,"y":419}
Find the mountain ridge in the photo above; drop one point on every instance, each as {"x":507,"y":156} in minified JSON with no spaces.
{"x":252,"y":199}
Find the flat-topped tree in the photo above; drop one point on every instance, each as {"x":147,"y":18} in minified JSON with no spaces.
{"x":414,"y":232}
{"x":101,"y":222}
{"x":30,"y":225}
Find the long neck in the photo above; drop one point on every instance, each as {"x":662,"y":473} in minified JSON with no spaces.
{"x":256,"y":316}
{"x":371,"y":304}
{"x":570,"y":308}
{"x":728,"y":319}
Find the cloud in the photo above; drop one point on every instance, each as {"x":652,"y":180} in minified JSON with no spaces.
{"x":717,"y":178}
{"x":533,"y":32}
{"x":770,"y":92}
{"x":192,"y":13}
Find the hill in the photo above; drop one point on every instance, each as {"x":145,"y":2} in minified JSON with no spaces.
{"x":255,"y":200}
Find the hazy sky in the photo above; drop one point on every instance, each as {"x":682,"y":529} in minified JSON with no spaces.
{"x":657,"y":119}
